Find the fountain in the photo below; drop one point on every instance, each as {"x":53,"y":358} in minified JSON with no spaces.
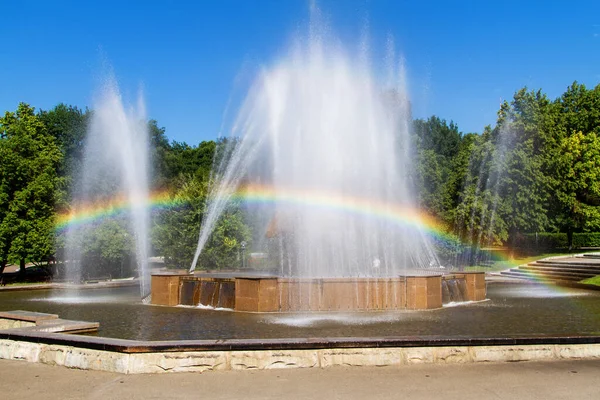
{"x":321,"y":166}
{"x":114,"y":179}
{"x":320,"y":157}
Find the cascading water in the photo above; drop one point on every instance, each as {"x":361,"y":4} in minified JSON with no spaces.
{"x":323,"y":147}
{"x":114,"y":176}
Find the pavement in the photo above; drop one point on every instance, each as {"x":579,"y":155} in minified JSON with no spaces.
{"x":524,"y":380}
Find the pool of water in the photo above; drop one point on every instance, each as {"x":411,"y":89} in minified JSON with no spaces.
{"x":512,"y":310}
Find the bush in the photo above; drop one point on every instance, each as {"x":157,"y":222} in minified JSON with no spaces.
{"x":549,"y":241}
{"x":588,"y":239}
{"x":542,"y":241}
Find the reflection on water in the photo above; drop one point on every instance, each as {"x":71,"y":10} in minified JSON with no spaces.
{"x":323,"y":319}
{"x":458,"y":304}
{"x":512,"y":310}
{"x":539,"y":291}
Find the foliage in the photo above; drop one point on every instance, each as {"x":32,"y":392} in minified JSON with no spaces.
{"x":107,"y":250}
{"x":534,"y":173}
{"x":29,"y":185}
{"x":586,"y":239}
{"x":578,"y":181}
{"x":176,"y":230}
{"x":223,"y":250}
{"x":436,"y":143}
{"x":67,"y":124}
{"x":542,"y":240}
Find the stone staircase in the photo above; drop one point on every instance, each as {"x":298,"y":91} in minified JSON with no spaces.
{"x":560,"y":269}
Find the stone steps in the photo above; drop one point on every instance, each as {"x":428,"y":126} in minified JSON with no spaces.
{"x":578,"y":262}
{"x":515,"y":273}
{"x":42,"y":322}
{"x":568,"y":269}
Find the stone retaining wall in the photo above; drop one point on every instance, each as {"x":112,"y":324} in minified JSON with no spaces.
{"x":200,"y":361}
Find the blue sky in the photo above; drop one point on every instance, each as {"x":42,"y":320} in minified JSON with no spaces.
{"x":462,"y":57}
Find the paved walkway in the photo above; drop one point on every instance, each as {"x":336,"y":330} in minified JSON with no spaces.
{"x":527,"y":380}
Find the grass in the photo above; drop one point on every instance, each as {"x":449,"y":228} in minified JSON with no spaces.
{"x":26,"y":283}
{"x":592,"y":281}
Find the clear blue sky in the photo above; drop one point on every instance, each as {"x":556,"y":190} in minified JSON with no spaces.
{"x":462,"y":58}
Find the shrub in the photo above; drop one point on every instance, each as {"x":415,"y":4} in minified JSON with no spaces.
{"x":543,"y":240}
{"x":587,"y":239}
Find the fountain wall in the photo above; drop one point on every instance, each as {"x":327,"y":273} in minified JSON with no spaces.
{"x":273,"y":294}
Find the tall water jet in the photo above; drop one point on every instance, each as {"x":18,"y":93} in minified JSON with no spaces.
{"x":112,"y":191}
{"x":320,"y":152}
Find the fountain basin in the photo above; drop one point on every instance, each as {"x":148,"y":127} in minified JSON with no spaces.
{"x":275,"y":294}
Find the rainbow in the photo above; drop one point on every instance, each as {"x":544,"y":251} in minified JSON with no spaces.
{"x":262,"y":194}
{"x":328,"y":201}
{"x":91,"y":212}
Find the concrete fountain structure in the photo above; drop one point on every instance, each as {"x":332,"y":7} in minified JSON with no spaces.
{"x":272,"y":294}
{"x":320,"y":157}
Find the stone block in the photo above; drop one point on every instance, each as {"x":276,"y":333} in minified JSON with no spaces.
{"x":165,"y":289}
{"x":418,"y":355}
{"x":6,"y":349}
{"x":97,"y":360}
{"x":53,"y":354}
{"x":268,"y":295}
{"x":577,"y":351}
{"x":361,"y":357}
{"x":147,"y":363}
{"x":246,"y":294}
{"x":512,"y":353}
{"x":452,"y":355}
{"x":423,"y":292}
{"x":301,"y":295}
{"x":273,"y":359}
{"x":26,"y":351}
{"x":339,"y":295}
{"x":6,"y":323}
{"x":475,"y":285}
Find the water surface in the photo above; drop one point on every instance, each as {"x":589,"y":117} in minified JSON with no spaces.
{"x":512,"y":310}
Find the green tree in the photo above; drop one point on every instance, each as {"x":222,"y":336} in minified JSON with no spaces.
{"x":107,"y":249}
{"x":184,"y":160}
{"x":578,"y":177}
{"x":476,"y":221}
{"x":159,"y":152}
{"x":176,"y":230}
{"x":436,"y":143}
{"x":576,"y":115}
{"x":523,"y":185}
{"x":68,"y":125}
{"x":28,"y":187}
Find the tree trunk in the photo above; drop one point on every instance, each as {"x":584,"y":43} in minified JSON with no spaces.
{"x":570,"y":238}
{"x":512,"y":243}
{"x":2,"y":266}
{"x":22,"y":268}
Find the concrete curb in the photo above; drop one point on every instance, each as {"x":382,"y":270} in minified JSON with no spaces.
{"x":133,"y":357}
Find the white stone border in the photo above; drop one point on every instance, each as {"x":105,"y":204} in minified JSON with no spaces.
{"x":200,"y":361}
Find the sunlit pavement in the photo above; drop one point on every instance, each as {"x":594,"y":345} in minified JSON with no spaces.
{"x":525,"y":380}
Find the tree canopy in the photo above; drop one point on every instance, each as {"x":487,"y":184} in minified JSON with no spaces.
{"x":534,"y":170}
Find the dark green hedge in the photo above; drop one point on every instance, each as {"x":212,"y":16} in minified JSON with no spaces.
{"x":543,"y":240}
{"x":549,"y":241}
{"x":590,"y":239}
